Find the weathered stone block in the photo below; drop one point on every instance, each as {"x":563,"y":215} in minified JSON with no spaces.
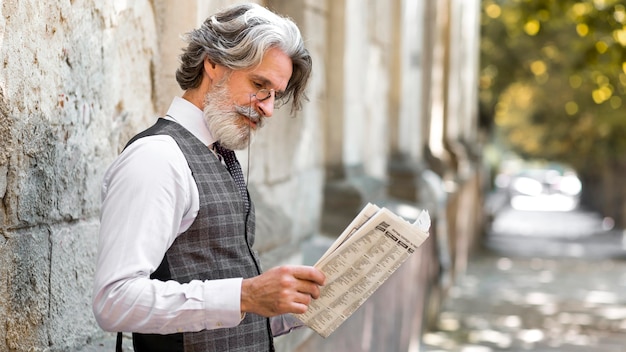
{"x":26,"y":271}
{"x":72,"y":265}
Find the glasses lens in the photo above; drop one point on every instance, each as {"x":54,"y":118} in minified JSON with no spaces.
{"x":279,"y":99}
{"x":263,"y":94}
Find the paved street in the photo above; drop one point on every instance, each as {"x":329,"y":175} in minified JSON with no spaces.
{"x":545,"y":281}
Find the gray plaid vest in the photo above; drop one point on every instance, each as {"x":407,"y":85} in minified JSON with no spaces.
{"x":218,"y":245}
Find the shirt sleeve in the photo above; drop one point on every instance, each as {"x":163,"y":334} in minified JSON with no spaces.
{"x":149,"y":197}
{"x":284,"y":324}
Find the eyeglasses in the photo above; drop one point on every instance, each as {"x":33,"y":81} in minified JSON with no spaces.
{"x":280,"y":99}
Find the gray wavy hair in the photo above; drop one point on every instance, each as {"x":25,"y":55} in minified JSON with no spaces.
{"x":238,"y":38}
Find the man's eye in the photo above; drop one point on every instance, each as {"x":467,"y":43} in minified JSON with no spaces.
{"x":279,"y":95}
{"x":257,"y":85}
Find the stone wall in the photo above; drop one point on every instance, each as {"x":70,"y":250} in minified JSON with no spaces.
{"x":79,"y":77}
{"x":76,"y":80}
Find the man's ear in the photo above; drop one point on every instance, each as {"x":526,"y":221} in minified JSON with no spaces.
{"x":208,"y":61}
{"x":213,"y":70}
{"x":209,"y":67}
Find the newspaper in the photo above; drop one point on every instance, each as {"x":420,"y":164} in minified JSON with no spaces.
{"x":367,"y":252}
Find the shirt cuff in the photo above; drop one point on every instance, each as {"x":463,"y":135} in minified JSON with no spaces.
{"x":223,"y":303}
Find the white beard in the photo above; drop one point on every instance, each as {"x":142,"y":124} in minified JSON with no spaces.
{"x":226,"y":121}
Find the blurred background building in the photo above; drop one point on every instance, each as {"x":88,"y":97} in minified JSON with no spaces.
{"x":392,"y":119}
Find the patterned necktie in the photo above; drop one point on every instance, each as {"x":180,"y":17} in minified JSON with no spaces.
{"x":235,"y":170}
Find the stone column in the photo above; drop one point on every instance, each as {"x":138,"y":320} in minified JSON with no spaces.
{"x":356,"y":121}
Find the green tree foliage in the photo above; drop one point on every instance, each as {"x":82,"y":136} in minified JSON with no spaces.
{"x":553,"y":77}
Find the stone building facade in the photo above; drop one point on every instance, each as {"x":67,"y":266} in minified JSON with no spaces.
{"x":391,"y":120}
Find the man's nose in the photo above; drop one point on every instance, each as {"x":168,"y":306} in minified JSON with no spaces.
{"x":266,"y":107}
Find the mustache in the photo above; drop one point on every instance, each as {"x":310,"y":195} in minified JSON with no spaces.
{"x":250,"y":114}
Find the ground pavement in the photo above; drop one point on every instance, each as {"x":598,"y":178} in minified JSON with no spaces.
{"x":545,"y":281}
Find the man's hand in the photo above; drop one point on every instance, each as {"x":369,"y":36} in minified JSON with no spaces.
{"x":280,"y":290}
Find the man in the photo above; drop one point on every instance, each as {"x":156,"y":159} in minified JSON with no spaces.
{"x":175,"y":261}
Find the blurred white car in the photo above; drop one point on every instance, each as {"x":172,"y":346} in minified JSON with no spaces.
{"x":545,"y":189}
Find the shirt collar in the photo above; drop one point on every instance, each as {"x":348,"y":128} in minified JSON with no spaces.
{"x":191,"y":118}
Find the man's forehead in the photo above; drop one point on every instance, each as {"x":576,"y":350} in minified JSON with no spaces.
{"x":276,"y":68}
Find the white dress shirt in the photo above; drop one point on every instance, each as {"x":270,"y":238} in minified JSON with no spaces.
{"x":149,"y":197}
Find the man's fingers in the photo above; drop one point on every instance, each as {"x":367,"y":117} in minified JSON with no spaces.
{"x":305,"y":299}
{"x":309,"y":273}
{"x":309,"y":289}
{"x":299,"y":308}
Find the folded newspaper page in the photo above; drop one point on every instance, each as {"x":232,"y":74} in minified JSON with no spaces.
{"x":368,"y":251}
